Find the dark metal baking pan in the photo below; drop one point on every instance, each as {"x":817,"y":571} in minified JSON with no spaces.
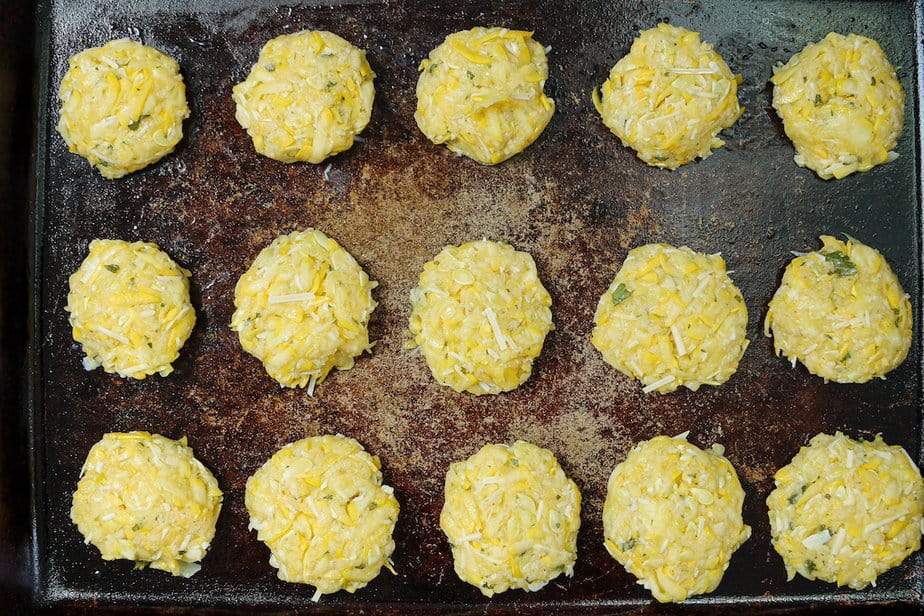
{"x":576,"y":200}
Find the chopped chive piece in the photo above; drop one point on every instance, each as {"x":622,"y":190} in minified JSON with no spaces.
{"x":841,"y":262}
{"x":621,"y":293}
{"x":134,"y":125}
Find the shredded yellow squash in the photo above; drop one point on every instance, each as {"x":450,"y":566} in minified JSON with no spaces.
{"x":672,"y":516}
{"x":672,"y":317}
{"x":320,"y":507}
{"x":122,"y":106}
{"x":842,"y":312}
{"x":511,"y":516}
{"x":480,"y":315}
{"x":306,"y":98}
{"x":129,"y":308}
{"x":841,"y":105}
{"x":669,"y":97}
{"x":846,"y":511}
{"x":481,"y":93}
{"x":303,"y":308}
{"x":145,"y":497}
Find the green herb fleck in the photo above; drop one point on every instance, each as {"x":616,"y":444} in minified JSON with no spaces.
{"x":818,"y":100}
{"x":373,"y":506}
{"x":134,"y":125}
{"x":660,"y":158}
{"x":137,"y":526}
{"x":361,"y":566}
{"x":328,"y":497}
{"x":872,"y":81}
{"x":331,"y":84}
{"x":112,"y":267}
{"x":621,"y":293}
{"x":795,"y":496}
{"x":432,"y":67}
{"x":846,"y":357}
{"x":470,"y":74}
{"x":514,"y":462}
{"x":560,"y":568}
{"x":103,"y":163}
{"x":810,"y":566}
{"x":628,"y":544}
{"x":182,"y":552}
{"x":841,"y":262}
{"x":270,"y":68}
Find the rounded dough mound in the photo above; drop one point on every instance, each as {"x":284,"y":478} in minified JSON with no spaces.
{"x":320,"y":507}
{"x":512,"y":518}
{"x":841,"y":312}
{"x":122,"y":106}
{"x":145,"y":497}
{"x":480,"y":316}
{"x":841,"y":105}
{"x":306,"y":98}
{"x":672,"y":516}
{"x":303,"y":308}
{"x":129,"y":308}
{"x":672,"y":317}
{"x":845,"y":511}
{"x":481,"y":93}
{"x":669,"y":97}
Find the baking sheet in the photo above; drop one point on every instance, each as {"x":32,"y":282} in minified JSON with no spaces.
{"x":576,"y":200}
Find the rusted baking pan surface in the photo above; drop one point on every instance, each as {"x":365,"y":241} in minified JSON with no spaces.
{"x":576,"y":200}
